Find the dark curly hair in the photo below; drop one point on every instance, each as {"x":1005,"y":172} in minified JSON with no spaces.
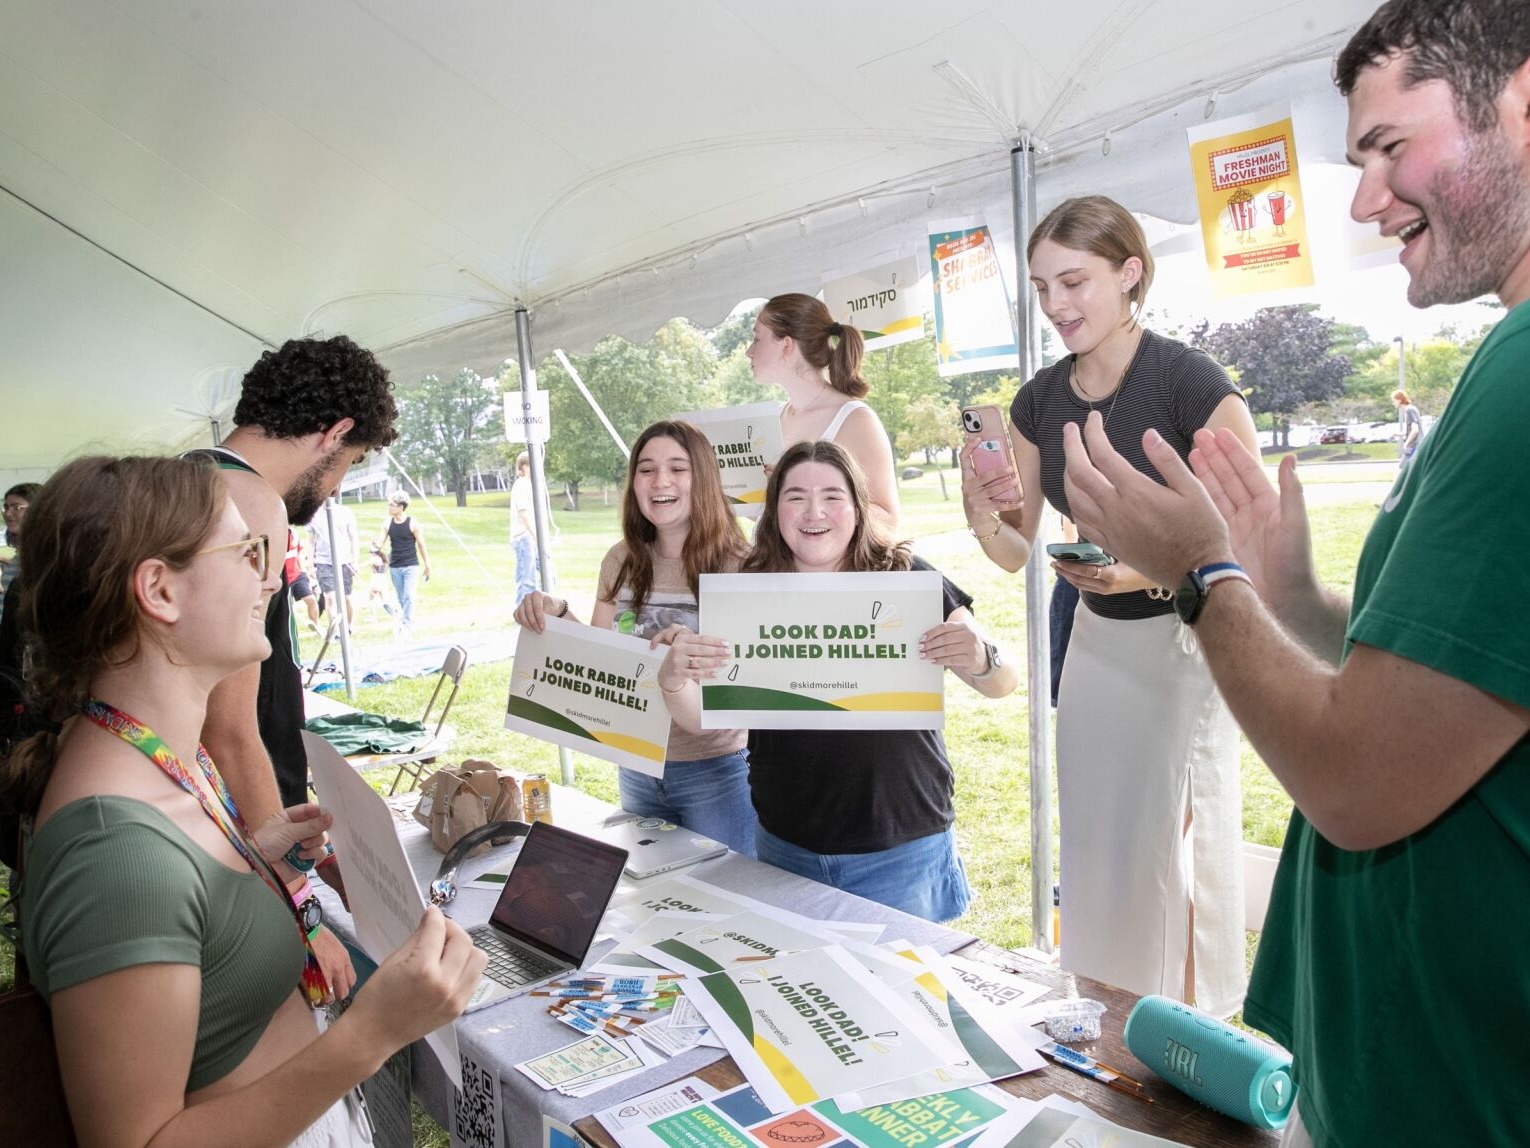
{"x":309,"y":385}
{"x":1473,"y":45}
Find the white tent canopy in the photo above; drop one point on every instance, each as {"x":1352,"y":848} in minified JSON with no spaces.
{"x":185,"y":183}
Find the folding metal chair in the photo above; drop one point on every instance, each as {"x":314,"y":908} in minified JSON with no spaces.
{"x":452,"y":668}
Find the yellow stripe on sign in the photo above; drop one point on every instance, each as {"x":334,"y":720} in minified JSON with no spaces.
{"x":904,"y":701}
{"x":637,"y":746}
{"x":786,"y":1074}
{"x":931,"y":984}
{"x":752,"y":496}
{"x":907,"y":324}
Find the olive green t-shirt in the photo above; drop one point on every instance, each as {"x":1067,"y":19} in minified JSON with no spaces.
{"x":111,"y":882}
{"x":1397,"y":976}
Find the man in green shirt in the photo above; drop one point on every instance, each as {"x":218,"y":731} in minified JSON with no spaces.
{"x":1393,"y":961}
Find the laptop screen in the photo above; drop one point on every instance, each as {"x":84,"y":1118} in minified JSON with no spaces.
{"x":558,"y":890}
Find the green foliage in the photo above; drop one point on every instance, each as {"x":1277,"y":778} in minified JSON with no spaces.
{"x":450,"y":428}
{"x":934,"y":423}
{"x":635,"y":386}
{"x":1431,"y":370}
{"x":734,"y":385}
{"x":1285,"y":358}
{"x":734,"y":334}
{"x":899,"y":377}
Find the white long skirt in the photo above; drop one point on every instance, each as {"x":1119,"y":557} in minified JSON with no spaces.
{"x":1142,"y":737}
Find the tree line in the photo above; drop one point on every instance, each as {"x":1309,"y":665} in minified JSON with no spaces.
{"x":1292,"y":364}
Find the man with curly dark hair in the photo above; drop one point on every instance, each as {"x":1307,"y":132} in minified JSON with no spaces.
{"x":308,"y":411}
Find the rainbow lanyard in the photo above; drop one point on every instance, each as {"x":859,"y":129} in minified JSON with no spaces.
{"x":142,"y":738}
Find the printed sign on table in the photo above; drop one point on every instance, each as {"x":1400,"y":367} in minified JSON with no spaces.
{"x":809,"y":1027}
{"x":1250,"y":193}
{"x":823,"y":651}
{"x":883,"y":303}
{"x":592,"y":690}
{"x":744,"y":439}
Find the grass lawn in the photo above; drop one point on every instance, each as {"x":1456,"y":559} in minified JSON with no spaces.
{"x":987,"y":739}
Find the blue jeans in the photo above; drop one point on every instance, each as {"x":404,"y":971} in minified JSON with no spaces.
{"x":405,"y":579}
{"x":710,"y":796}
{"x":525,"y":566}
{"x":924,"y":877}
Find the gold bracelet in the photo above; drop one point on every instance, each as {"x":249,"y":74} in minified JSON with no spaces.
{"x":998,"y":525}
{"x":680,"y":689}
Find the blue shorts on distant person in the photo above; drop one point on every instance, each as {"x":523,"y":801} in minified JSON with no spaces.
{"x":924,"y":877}
{"x":709,"y":796}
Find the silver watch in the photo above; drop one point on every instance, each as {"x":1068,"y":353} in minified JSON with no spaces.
{"x":994,"y":662}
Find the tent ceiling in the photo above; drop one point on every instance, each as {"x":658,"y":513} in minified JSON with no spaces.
{"x":187,"y":181}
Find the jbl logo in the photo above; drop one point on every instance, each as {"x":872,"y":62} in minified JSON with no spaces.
{"x":1180,"y":1059}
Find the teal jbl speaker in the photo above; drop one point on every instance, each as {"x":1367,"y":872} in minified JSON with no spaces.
{"x":1213,"y":1062}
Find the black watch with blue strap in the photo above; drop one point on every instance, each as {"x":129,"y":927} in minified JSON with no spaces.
{"x":1190,"y":598}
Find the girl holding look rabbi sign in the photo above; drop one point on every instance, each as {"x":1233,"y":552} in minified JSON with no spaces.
{"x":867,"y":811}
{"x":676,"y":525}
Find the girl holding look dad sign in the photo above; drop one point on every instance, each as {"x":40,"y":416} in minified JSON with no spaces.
{"x":867,"y":811}
{"x":676,"y":525}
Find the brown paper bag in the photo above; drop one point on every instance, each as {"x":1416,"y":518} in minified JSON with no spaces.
{"x":455,"y":801}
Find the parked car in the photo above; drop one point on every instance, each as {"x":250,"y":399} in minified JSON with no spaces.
{"x":1381,"y":432}
{"x":1334,"y":436}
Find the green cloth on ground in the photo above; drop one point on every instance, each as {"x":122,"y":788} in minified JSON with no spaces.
{"x":368,"y":733}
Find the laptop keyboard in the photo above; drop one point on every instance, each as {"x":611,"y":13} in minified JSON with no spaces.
{"x":509,"y":965}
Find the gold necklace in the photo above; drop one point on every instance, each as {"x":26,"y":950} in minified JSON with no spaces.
{"x":1120,"y":383}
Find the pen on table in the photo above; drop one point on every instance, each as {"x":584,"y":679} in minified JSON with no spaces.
{"x":1095,"y":1070}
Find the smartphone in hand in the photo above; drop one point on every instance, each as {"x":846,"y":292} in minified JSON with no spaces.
{"x":992,"y":453}
{"x":1086,"y":552}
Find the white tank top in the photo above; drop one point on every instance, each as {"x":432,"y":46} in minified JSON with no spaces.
{"x":838,"y":421}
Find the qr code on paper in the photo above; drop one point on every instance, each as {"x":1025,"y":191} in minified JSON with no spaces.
{"x":475,"y":1108}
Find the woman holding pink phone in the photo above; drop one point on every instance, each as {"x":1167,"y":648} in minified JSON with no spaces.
{"x":1148,"y":770}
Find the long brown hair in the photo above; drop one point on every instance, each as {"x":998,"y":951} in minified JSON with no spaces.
{"x":714,"y":540}
{"x":88,"y":530}
{"x":1100,"y":226}
{"x":823,"y":342}
{"x":870,"y":546}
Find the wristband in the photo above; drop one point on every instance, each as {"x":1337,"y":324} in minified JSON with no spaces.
{"x":302,"y":893}
{"x":563,"y":613}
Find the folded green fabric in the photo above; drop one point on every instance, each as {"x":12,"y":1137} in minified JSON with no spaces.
{"x":368,"y":733}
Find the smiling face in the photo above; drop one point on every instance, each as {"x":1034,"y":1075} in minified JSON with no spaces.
{"x":815,"y":513}
{"x":1083,"y":295}
{"x":661,"y":484}
{"x":15,"y":512}
{"x":223,"y":616}
{"x":1459,"y":200}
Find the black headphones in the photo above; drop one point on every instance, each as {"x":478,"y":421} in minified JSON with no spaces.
{"x":443,"y":890}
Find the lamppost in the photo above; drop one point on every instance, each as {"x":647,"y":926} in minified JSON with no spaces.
{"x":1402,"y":364}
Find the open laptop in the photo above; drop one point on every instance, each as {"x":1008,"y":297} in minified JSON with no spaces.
{"x":657,"y":846}
{"x":547,"y":914}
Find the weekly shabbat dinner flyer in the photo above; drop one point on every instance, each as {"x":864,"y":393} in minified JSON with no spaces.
{"x":595,"y":691}
{"x":745,"y":439}
{"x":690,"y":1114}
{"x":823,"y":651}
{"x":813,"y":1026}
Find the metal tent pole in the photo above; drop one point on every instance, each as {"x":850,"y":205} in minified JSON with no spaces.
{"x":538,"y":488}
{"x":1022,"y":168}
{"x":338,"y":616}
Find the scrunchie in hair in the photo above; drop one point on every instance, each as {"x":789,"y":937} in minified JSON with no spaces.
{"x":836,"y":331}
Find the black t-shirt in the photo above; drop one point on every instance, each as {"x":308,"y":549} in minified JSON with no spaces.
{"x":1168,"y":386}
{"x":279,"y":700}
{"x":854,"y":791}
